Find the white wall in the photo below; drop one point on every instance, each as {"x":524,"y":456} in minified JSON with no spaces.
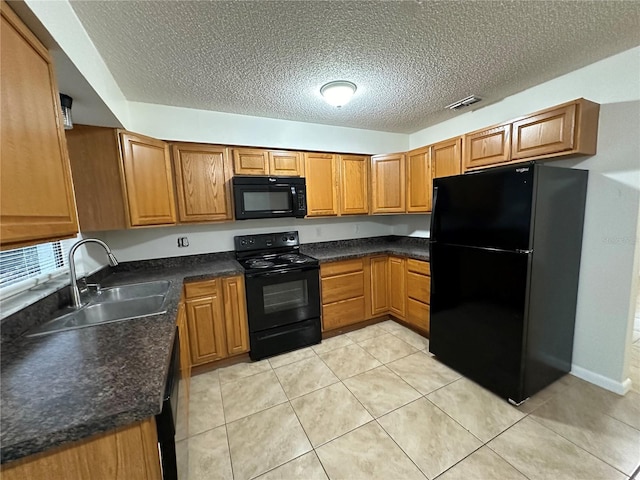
{"x":414,"y":225}
{"x":146,"y":243}
{"x":187,"y":124}
{"x":606,"y":295}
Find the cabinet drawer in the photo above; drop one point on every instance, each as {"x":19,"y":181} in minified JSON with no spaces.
{"x":201,"y":289}
{"x":340,"y":314}
{"x":418,"y":287}
{"x":418,"y":266}
{"x":337,"y":268}
{"x":418,"y":314}
{"x":342,"y":287}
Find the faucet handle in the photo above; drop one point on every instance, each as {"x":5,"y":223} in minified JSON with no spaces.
{"x":83,"y":286}
{"x":95,"y":286}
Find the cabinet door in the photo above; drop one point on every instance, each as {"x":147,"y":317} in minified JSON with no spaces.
{"x":446,"y":158}
{"x":418,"y":314}
{"x":544,"y":133}
{"x":322,"y":185}
{"x":203,"y":182}
{"x":185,"y":355}
{"x":250,"y":161}
{"x":205,"y":319}
{"x":36,"y":194}
{"x":235,"y":315}
{"x":287,"y":164}
{"x":95,"y":158}
{"x":397,"y":297}
{"x":354,"y":184}
{"x":379,"y":285}
{"x":388,"y":183}
{"x":148,"y":180}
{"x":488,"y":147}
{"x":419,"y":181}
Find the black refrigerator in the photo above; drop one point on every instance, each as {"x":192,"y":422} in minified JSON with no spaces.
{"x":505,"y":259}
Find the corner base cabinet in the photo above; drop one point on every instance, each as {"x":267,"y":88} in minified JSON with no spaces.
{"x":365,"y":288}
{"x":216,"y":319}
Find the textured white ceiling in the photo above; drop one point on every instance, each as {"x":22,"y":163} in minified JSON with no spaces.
{"x":408,"y":58}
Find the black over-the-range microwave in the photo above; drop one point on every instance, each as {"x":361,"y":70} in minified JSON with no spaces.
{"x":269,"y":197}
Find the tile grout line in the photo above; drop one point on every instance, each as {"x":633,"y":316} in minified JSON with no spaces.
{"x":498,"y":454}
{"x":581,"y":448}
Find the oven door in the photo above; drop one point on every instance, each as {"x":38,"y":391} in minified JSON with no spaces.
{"x":282,"y":297}
{"x":264,"y":201}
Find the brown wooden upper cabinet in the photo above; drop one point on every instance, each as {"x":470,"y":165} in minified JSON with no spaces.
{"x":563,"y":130}
{"x":121,"y":179}
{"x":419,"y":180}
{"x":568,"y":129}
{"x":203,"y":182}
{"x":148,"y":180}
{"x":388,"y":183}
{"x":259,"y":161}
{"x":322,"y":184}
{"x":36,"y":193}
{"x":487,"y":147}
{"x":354,"y":184}
{"x":446,"y":158}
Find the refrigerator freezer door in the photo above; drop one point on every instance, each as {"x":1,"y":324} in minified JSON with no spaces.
{"x":478,"y":301}
{"x":484,"y":209}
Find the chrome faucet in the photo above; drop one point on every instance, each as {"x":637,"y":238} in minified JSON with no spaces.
{"x":75,"y":291}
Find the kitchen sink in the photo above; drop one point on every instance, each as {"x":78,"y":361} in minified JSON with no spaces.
{"x":113,"y":304}
{"x":136,"y":290}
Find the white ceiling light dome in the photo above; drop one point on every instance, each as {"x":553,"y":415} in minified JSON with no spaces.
{"x":338,"y":93}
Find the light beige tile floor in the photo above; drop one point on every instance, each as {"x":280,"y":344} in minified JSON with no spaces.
{"x":375,"y":404}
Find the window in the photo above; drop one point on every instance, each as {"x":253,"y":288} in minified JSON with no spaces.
{"x":24,"y":267}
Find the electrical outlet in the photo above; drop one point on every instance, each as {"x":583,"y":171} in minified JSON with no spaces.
{"x":183,"y":242}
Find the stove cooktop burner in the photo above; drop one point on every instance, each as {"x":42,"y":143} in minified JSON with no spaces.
{"x":259,"y":263}
{"x":293,"y":258}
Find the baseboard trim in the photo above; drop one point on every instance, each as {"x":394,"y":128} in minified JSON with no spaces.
{"x":621,"y":388}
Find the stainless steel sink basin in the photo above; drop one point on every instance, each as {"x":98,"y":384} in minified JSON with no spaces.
{"x":136,"y":290}
{"x":114,"y":304}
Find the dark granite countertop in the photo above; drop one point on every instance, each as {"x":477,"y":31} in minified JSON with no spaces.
{"x":412,"y":247}
{"x":69,"y":385}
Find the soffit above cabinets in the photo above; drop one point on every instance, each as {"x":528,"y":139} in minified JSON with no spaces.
{"x":408,"y":59}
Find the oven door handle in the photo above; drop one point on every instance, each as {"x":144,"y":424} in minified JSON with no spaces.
{"x":273,"y":273}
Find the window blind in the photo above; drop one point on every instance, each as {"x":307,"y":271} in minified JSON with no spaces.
{"x":35,"y":263}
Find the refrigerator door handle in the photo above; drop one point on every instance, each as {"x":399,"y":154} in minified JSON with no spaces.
{"x":433,"y":213}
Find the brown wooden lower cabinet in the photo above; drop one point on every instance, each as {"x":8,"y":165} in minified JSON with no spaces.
{"x":379,"y":285}
{"x":360,"y":289}
{"x":185,"y":354}
{"x":345,"y":293}
{"x":125,"y":453}
{"x":216,"y":319}
{"x":397,"y":292}
{"x":418,"y":294}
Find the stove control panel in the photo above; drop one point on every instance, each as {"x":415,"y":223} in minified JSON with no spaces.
{"x":266,"y":241}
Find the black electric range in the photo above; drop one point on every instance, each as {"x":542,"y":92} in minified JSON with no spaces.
{"x":283,"y":293}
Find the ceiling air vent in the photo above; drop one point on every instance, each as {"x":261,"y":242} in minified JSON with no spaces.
{"x":465,"y":102}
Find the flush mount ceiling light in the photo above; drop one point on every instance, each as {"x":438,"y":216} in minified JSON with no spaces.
{"x":465,"y":102}
{"x":338,"y":93}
